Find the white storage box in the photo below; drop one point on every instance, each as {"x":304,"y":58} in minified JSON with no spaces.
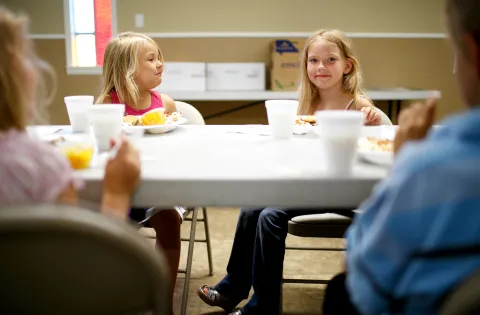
{"x":235,"y":76}
{"x":183,"y":76}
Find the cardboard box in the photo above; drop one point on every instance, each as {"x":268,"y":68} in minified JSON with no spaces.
{"x":236,"y":76}
{"x":285,"y":68}
{"x":284,"y":79}
{"x":183,"y":76}
{"x":286,"y":51}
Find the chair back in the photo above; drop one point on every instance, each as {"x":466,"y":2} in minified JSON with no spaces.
{"x":67,"y":260}
{"x":385,"y":119}
{"x":190,"y":113}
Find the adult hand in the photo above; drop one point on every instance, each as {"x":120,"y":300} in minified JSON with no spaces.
{"x":414,"y":122}
{"x":122,"y":172}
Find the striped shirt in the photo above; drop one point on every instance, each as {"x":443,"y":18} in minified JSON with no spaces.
{"x":429,"y":207}
{"x":31,"y":171}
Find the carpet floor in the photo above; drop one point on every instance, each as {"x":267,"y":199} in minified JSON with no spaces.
{"x":298,"y":299}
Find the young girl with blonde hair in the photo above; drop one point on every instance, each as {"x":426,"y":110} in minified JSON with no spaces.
{"x":331,"y":81}
{"x":331,"y":77}
{"x":32,"y":171}
{"x":132,"y":68}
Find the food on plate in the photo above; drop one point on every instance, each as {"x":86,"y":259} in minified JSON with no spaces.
{"x":377,"y":144}
{"x":309,"y":118}
{"x":78,"y":154}
{"x":55,"y":140}
{"x":153,"y":117}
{"x":131,"y":120}
{"x":305,"y":120}
{"x":173,"y":117}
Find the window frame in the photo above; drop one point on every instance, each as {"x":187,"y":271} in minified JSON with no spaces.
{"x":69,"y":38}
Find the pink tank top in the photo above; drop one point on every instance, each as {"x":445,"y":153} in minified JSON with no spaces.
{"x":156,"y":103}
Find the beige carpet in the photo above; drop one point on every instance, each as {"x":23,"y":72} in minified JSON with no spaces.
{"x":297,"y":298}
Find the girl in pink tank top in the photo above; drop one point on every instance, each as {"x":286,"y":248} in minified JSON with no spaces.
{"x":331,"y":77}
{"x":156,"y":102}
{"x":132,"y":83}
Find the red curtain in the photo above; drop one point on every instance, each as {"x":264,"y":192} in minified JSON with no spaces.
{"x":103,"y":27}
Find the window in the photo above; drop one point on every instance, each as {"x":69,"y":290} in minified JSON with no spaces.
{"x":89,"y":25}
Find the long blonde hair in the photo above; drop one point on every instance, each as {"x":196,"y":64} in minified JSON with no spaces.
{"x":352,"y":82}
{"x":17,"y":56}
{"x":120,"y":66}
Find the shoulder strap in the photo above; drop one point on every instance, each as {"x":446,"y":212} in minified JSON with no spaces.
{"x":349,"y":104}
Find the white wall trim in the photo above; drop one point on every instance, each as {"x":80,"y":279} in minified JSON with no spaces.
{"x":258,"y":35}
{"x":46,"y":36}
{"x":288,"y":34}
{"x":397,"y":35}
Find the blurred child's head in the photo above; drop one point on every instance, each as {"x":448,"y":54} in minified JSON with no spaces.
{"x":328,"y":63}
{"x":19,"y":73}
{"x":463,"y":18}
{"x":133,"y":63}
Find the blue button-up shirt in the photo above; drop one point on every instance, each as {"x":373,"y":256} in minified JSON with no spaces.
{"x":429,"y":207}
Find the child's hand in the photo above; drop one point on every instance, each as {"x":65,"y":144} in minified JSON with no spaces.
{"x":372,"y":117}
{"x":122,"y":172}
{"x":414,"y":122}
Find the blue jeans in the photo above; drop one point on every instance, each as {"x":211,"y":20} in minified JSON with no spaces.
{"x":257,"y":258}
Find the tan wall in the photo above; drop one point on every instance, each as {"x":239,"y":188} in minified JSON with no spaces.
{"x":387,"y":63}
{"x":282,"y":15}
{"x":381,"y":16}
{"x":46,"y":16}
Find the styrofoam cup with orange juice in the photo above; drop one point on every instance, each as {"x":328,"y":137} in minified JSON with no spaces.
{"x":79,"y":154}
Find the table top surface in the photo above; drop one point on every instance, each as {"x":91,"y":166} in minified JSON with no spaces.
{"x":239,"y":166}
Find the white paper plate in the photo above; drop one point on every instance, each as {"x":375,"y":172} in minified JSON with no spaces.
{"x":373,"y":156}
{"x":301,"y":130}
{"x":155,"y":129}
{"x":383,"y":131}
{"x":380,"y":158}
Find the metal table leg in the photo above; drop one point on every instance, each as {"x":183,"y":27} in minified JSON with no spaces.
{"x":390,"y":109}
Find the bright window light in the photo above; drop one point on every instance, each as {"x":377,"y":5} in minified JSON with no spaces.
{"x":90,"y":31}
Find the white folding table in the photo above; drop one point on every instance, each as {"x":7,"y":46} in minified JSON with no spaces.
{"x":237,"y":166}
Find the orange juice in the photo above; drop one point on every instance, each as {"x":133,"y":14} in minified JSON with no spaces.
{"x":79,"y":155}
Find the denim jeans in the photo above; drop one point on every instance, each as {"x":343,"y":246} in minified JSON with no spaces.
{"x":257,"y":258}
